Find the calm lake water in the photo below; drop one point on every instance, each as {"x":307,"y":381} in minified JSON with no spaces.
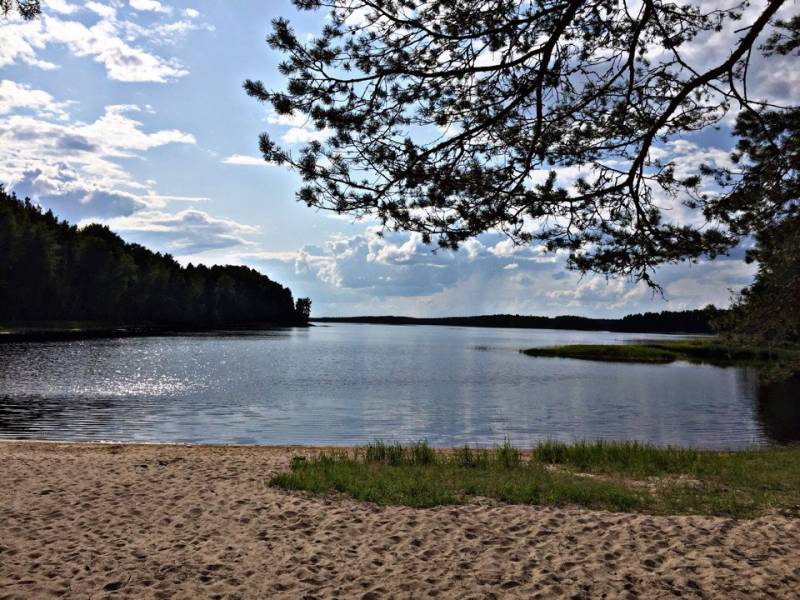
{"x":344,"y":384}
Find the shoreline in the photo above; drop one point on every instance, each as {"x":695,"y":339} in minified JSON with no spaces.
{"x":142,"y":520}
{"x":12,"y":335}
{"x":525,"y":451}
{"x":649,"y":323}
{"x":66,"y":331}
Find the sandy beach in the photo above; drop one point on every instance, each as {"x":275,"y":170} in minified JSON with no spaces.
{"x":149,"y":521}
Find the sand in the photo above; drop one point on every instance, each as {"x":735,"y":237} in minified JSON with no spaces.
{"x":145,"y":521}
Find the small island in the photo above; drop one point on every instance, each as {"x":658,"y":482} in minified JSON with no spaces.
{"x":712,"y":350}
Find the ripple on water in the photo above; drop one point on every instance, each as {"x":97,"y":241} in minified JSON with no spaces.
{"x":350,"y":384}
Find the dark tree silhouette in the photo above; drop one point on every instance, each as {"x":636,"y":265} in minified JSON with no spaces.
{"x":769,"y":310}
{"x":765,"y":190}
{"x":28,"y":9}
{"x":766,"y":198}
{"x":684,"y":321}
{"x":302,"y":309}
{"x":440,"y":111}
{"x":51,"y":270}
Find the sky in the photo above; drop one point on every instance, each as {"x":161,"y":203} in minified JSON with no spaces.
{"x":131,"y":113}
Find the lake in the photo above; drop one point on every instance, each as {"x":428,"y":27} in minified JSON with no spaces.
{"x":346,"y":384}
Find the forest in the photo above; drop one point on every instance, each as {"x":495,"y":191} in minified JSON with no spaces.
{"x":685,"y":321}
{"x":54,"y":271}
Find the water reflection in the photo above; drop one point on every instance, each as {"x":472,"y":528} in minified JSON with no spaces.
{"x":29,"y":417}
{"x":778,"y":410}
{"x":350,"y":384}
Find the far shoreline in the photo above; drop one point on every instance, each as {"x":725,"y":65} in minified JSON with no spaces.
{"x":690,"y":322}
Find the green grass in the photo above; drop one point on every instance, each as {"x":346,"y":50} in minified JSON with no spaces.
{"x":615,"y":476}
{"x":710,"y":350}
{"x":614,"y":353}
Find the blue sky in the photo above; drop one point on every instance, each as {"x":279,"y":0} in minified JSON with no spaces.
{"x":131,"y":113}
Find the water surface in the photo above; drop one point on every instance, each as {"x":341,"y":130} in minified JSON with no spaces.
{"x":344,"y":384}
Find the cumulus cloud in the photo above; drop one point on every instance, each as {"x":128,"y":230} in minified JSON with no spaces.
{"x":104,"y":10}
{"x":687,"y":157}
{"x":186,"y":232}
{"x":119,"y":44}
{"x":68,"y":195}
{"x":149,"y":5}
{"x":397,"y":264}
{"x":72,"y":166}
{"x":370,"y":274}
{"x":122,"y":61}
{"x":30,"y":142}
{"x":776,"y":77}
{"x":17,"y":96}
{"x":300,"y":128}
{"x":300,"y":135}
{"x":62,"y":6}
{"x":20,"y":43}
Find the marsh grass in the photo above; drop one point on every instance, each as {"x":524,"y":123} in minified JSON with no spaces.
{"x":613,"y":353}
{"x":616,"y":476}
{"x":707,"y":350}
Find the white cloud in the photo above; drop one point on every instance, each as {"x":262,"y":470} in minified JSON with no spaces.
{"x":160,"y":200}
{"x":122,"y":61}
{"x":72,"y":166}
{"x":165,"y":33}
{"x":118,"y":44}
{"x":104,"y":10}
{"x":61,"y":6}
{"x":20,"y":41}
{"x":709,"y":282}
{"x":296,"y":119}
{"x":505,"y":248}
{"x":299,"y":135}
{"x":16,"y":96}
{"x":776,"y":77}
{"x":369,"y":274}
{"x":118,"y":134}
{"x":191,"y":13}
{"x":149,"y":5}
{"x":246,"y":160}
{"x":301,"y":129}
{"x":394,"y":265}
{"x":74,"y":169}
{"x":688,"y":156}
{"x":186,"y":232}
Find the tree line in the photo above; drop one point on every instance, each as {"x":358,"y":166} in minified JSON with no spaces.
{"x":684,"y":321}
{"x":51,"y":270}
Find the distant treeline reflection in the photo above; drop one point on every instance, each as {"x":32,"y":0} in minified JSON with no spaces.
{"x":53,"y":271}
{"x":685,"y":321}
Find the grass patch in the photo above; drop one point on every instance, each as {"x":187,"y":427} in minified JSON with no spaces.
{"x":708,"y":350}
{"x":614,"y":353}
{"x":616,"y":476}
